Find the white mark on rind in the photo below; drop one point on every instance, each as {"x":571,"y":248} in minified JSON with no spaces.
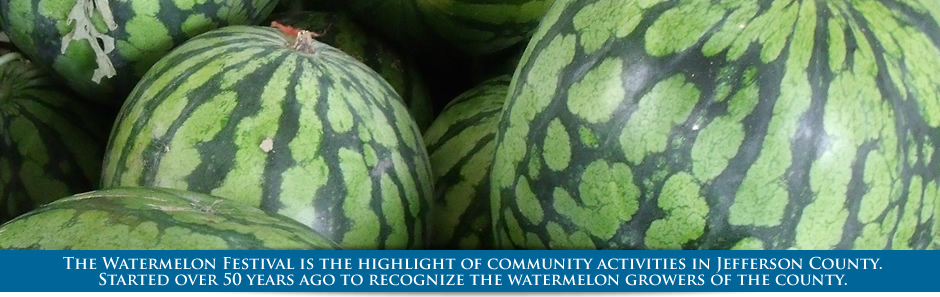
{"x":267,"y":145}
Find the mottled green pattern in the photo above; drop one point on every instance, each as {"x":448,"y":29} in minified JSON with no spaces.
{"x":146,"y":31}
{"x":772,"y":124}
{"x":50,"y":145}
{"x":460,"y":144}
{"x":316,"y":136}
{"x":342,"y":32}
{"x":473,"y":27}
{"x":155,"y":219}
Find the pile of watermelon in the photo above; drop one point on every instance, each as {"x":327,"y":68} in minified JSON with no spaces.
{"x":458,"y":124}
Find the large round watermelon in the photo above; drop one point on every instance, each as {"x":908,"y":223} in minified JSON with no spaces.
{"x":282,"y":122}
{"x":155,"y":219}
{"x":460,"y":145}
{"x":51,"y":145}
{"x":340,"y":31}
{"x":102,"y":51}
{"x":733,"y":124}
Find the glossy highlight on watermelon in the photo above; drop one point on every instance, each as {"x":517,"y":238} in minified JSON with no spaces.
{"x":51,"y":145}
{"x":714,"y":125}
{"x":282,"y":122}
{"x":460,"y":145}
{"x":121,"y":40}
{"x":155,"y":219}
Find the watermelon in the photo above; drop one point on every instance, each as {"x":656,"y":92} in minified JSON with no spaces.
{"x":282,"y":122}
{"x":464,"y":27}
{"x":340,"y":31}
{"x":155,"y":219}
{"x":51,"y":146}
{"x":460,"y":146}
{"x":102,"y":51}
{"x":723,"y":125}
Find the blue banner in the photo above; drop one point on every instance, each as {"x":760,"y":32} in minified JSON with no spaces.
{"x":470,"y":271}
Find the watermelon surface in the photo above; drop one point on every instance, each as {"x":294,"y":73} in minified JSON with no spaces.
{"x":460,"y":145}
{"x":155,"y":219}
{"x":51,"y":145}
{"x":282,"y":122}
{"x":340,"y":31}
{"x":102,"y":51}
{"x":715,"y":125}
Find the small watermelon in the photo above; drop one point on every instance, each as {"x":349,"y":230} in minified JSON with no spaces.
{"x":102,"y":51}
{"x":275,"y":119}
{"x":155,"y":219}
{"x":51,"y":145}
{"x":770,"y":124}
{"x":340,"y":31}
{"x":460,"y":146}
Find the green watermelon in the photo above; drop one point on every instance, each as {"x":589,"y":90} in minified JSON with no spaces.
{"x":723,"y":124}
{"x":468,"y":27}
{"x":460,"y":145}
{"x":102,"y":51}
{"x":340,"y":31}
{"x":155,"y":219}
{"x":282,"y":122}
{"x":50,"y":145}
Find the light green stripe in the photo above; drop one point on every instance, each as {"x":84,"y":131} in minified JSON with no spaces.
{"x":451,"y":152}
{"x":681,"y":27}
{"x":244,"y":179}
{"x":300,"y":183}
{"x":181,"y":156}
{"x":394,"y":214}
{"x":763,"y":195}
{"x":668,"y":104}
{"x":685,"y":214}
{"x":363,"y":222}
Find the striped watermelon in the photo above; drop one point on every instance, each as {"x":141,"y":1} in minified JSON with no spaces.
{"x":460,"y":146}
{"x":704,"y":125}
{"x":282,"y":122}
{"x":50,"y":145}
{"x":340,"y":31}
{"x":470,"y":27}
{"x":102,"y":52}
{"x":155,"y":219}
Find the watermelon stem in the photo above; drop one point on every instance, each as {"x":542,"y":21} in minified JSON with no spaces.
{"x":299,"y":40}
{"x":288,"y":30}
